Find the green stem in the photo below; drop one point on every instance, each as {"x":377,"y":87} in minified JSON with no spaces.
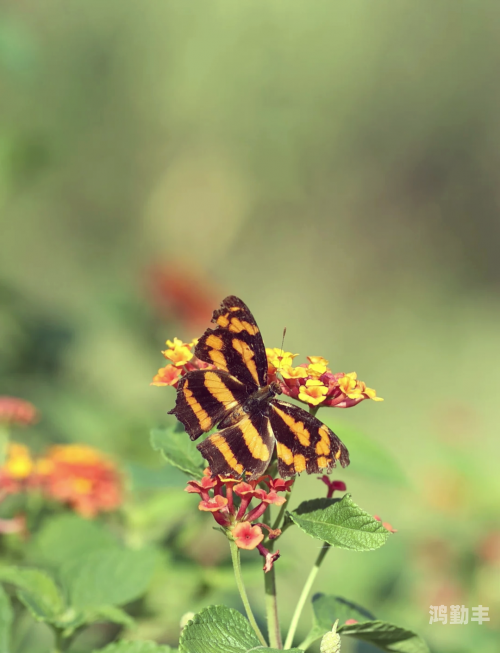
{"x":235,"y":556}
{"x":305,"y":593}
{"x":278,"y":519}
{"x":273,"y":622}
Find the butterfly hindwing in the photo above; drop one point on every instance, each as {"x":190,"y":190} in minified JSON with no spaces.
{"x":236,"y":344}
{"x":205,"y":397}
{"x":303,"y":442}
{"x":246,"y":446}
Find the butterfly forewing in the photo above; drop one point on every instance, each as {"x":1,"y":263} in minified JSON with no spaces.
{"x":303,"y":442}
{"x":205,"y":397}
{"x":244,"y":447}
{"x":236,"y":344}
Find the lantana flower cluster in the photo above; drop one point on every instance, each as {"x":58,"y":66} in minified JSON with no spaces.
{"x":75,"y":475}
{"x":230,"y":502}
{"x":312,"y":383}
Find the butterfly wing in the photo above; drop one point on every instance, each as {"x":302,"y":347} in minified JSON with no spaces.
{"x":205,"y":397}
{"x":235,"y":345}
{"x":303,"y":442}
{"x":243,"y":447}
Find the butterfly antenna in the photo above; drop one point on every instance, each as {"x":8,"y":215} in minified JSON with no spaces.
{"x":282,"y":349}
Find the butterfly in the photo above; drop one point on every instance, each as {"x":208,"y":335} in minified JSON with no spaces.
{"x":237,"y":398}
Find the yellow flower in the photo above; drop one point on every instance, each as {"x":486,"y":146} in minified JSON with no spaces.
{"x":279,"y":359}
{"x":355,"y":389}
{"x":313,"y":392}
{"x":317,"y":360}
{"x":290,"y":372}
{"x":179,"y":352}
{"x":348,"y":385}
{"x":316,"y":370}
{"x":19,"y":463}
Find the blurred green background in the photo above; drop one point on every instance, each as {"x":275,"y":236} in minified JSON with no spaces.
{"x":334,"y":164}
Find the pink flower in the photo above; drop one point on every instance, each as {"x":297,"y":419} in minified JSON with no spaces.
{"x":247,"y":536}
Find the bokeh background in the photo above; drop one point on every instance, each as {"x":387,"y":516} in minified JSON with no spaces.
{"x":336,"y":165}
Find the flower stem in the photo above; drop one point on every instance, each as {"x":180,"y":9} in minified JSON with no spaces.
{"x":305,"y":593}
{"x":278,"y":519}
{"x":235,"y":556}
{"x":273,"y":623}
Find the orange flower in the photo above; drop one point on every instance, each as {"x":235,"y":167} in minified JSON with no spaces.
{"x":168,"y":375}
{"x":16,"y":411}
{"x":247,"y":536}
{"x":313,"y":392}
{"x":354,"y":389}
{"x":81,"y":477}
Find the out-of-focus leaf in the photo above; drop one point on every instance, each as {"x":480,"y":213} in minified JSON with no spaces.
{"x":135,"y":647}
{"x":178,"y":449}
{"x":145,"y":478}
{"x":111,"y":613}
{"x":327,"y":609}
{"x":341,"y":523}
{"x":36,"y":590}
{"x":386,"y":637}
{"x":68,"y":537}
{"x":372,"y":458}
{"x":112,"y":576}
{"x":5,"y":621}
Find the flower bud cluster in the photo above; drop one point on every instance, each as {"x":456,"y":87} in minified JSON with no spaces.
{"x":230,"y":502}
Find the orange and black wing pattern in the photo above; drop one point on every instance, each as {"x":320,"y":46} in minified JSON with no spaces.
{"x":246,"y":446}
{"x":235,"y":345}
{"x":303,"y":443}
{"x":205,"y":397}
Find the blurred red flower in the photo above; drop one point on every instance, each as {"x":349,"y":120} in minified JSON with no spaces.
{"x":15,"y":411}
{"x":81,"y":477}
{"x":180,"y":293}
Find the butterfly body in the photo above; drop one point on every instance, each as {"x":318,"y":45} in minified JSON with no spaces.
{"x":237,"y":398}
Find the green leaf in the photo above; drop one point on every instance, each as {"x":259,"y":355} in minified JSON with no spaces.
{"x":178,"y":450}
{"x":341,"y":523}
{"x":327,"y":609}
{"x":218,"y":629}
{"x":372,"y":459}
{"x":5,"y":621}
{"x":110,"y":613}
{"x":386,"y":637}
{"x":108,"y":577}
{"x":135,"y":647}
{"x":68,"y":537}
{"x":36,"y":590}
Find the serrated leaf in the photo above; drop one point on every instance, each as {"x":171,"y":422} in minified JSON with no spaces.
{"x":36,"y":590}
{"x":386,"y":637}
{"x":341,"y":523}
{"x":5,"y":621}
{"x":68,"y":537}
{"x":109,"y":577}
{"x":218,"y":629}
{"x":327,"y":609}
{"x":178,"y":449}
{"x":136,"y":647}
